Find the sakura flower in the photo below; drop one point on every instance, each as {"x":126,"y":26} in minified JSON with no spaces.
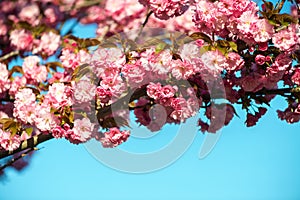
{"x":44,"y":119}
{"x":21,"y":39}
{"x":59,"y":95}
{"x":4,"y":81}
{"x":34,"y":71}
{"x":84,"y":90}
{"x":48,"y":43}
{"x":214,"y":60}
{"x":154,"y":90}
{"x":285,"y":38}
{"x":296,"y":76}
{"x":263,"y":30}
{"x":17,"y":83}
{"x":260,"y":59}
{"x":25,"y":104}
{"x":30,"y":14}
{"x":9,"y":142}
{"x":165,"y":9}
{"x":115,"y":137}
{"x":82,"y":131}
{"x":181,"y":69}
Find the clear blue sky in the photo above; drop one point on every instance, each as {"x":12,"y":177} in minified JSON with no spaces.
{"x":258,"y":163}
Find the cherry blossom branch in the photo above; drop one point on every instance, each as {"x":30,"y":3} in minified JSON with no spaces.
{"x":121,"y":104}
{"x":12,"y":161}
{"x":27,"y":144}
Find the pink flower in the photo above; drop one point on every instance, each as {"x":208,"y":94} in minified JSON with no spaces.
{"x":134,"y":73}
{"x":33,"y":71}
{"x":214,"y":61}
{"x":235,"y":62}
{"x":59,"y":95}
{"x":44,"y":119}
{"x":69,"y":59}
{"x":21,"y":39}
{"x":8,"y":142}
{"x":58,"y":132}
{"x":4,"y":81}
{"x":181,"y":69}
{"x":165,"y":9}
{"x":82,"y":131}
{"x":103,"y":94}
{"x":16,"y":84}
{"x":296,"y":76}
{"x":115,"y":84}
{"x":115,"y":137}
{"x":260,"y":59}
{"x":167,"y":91}
{"x":84,"y":90}
{"x":30,"y":14}
{"x":48,"y":44}
{"x":52,"y":14}
{"x":154,"y":90}
{"x":105,"y":57}
{"x":263,"y":31}
{"x":286,"y":38}
{"x":24,"y":105}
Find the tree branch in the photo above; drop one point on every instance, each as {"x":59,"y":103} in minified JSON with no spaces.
{"x":11,"y":54}
{"x":27,"y":144}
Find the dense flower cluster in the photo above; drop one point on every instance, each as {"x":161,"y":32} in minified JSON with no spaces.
{"x":88,"y":90}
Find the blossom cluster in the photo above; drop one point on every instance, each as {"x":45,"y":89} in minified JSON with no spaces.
{"x":88,"y":90}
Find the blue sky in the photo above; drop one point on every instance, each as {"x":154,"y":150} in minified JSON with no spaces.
{"x":255,"y":163}
{"x":247,"y":163}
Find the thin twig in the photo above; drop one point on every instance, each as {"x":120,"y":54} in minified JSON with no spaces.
{"x":144,"y":24}
{"x":11,"y":54}
{"x":12,"y":161}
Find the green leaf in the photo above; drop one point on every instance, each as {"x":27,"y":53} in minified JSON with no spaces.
{"x":205,"y":49}
{"x":233,"y":46}
{"x":199,"y":35}
{"x":4,"y":120}
{"x":29,"y":131}
{"x":160,"y":47}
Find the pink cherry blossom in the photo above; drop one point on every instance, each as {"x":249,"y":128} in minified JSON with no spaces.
{"x":84,"y":90}
{"x":260,"y":59}
{"x":24,"y":105}
{"x":214,"y":60}
{"x":181,"y":69}
{"x":164,"y":9}
{"x":296,"y":77}
{"x":59,"y":95}
{"x":4,"y":81}
{"x":103,"y":94}
{"x":82,"y":131}
{"x":17,"y":83}
{"x":34,"y":71}
{"x":154,"y":90}
{"x":285,"y":38}
{"x":48,"y":43}
{"x":44,"y":119}
{"x":9,"y":142}
{"x":30,"y":14}
{"x":115,"y":137}
{"x":21,"y":39}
